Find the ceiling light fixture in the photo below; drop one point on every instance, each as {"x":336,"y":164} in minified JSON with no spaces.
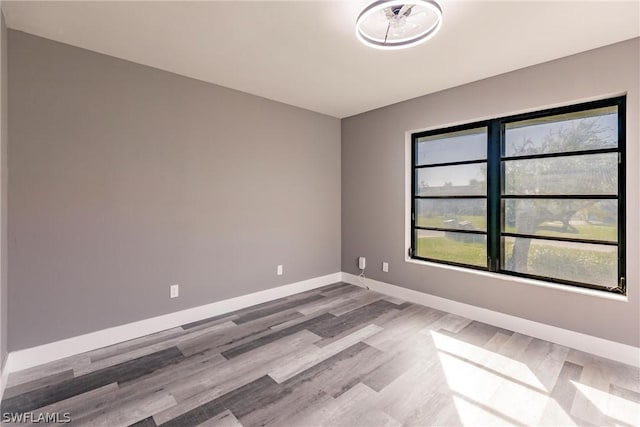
{"x":397,"y":24}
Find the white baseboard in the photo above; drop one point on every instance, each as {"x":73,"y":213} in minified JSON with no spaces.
{"x":583,"y":342}
{"x":27,"y":358}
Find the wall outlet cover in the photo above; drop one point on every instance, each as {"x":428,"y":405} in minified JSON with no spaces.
{"x":174,"y":291}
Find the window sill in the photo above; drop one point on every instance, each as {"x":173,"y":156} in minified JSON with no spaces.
{"x":534,"y":282}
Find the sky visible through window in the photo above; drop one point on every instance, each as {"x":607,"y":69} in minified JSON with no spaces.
{"x":536,"y":134}
{"x":472,"y":145}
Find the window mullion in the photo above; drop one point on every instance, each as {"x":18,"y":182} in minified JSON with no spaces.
{"x":493,"y":194}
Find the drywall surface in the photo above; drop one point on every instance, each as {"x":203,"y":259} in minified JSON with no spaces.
{"x":374,"y":177}
{"x":4,"y":132}
{"x":126,"y":179}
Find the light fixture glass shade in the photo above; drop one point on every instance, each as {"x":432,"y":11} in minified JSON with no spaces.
{"x":397,"y":24}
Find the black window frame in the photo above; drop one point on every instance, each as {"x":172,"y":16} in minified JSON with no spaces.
{"x":495,"y":180}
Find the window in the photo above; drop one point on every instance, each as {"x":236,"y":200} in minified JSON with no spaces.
{"x":536,"y":195}
{"x":450,"y":196}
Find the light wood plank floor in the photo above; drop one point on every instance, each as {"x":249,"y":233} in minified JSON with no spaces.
{"x":334,"y":356}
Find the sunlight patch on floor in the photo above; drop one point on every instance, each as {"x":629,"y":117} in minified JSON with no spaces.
{"x":619,"y":409}
{"x":471,"y":356}
{"x":490,"y":388}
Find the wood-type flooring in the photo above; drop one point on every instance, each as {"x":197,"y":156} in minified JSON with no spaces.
{"x":333,"y":356}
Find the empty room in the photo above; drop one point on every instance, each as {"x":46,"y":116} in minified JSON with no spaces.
{"x":320,"y":213}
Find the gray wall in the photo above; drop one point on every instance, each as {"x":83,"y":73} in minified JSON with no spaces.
{"x":125,"y":179}
{"x":4,"y":132}
{"x":373,"y":188}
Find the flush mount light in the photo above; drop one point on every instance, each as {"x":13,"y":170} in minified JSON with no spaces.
{"x":389,"y":24}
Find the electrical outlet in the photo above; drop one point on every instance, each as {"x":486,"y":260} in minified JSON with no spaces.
{"x":385,"y":267}
{"x":362,"y":263}
{"x":174,"y":291}
{"x":279,"y":270}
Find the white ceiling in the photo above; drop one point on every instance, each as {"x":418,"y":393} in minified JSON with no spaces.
{"x":305,"y":53}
